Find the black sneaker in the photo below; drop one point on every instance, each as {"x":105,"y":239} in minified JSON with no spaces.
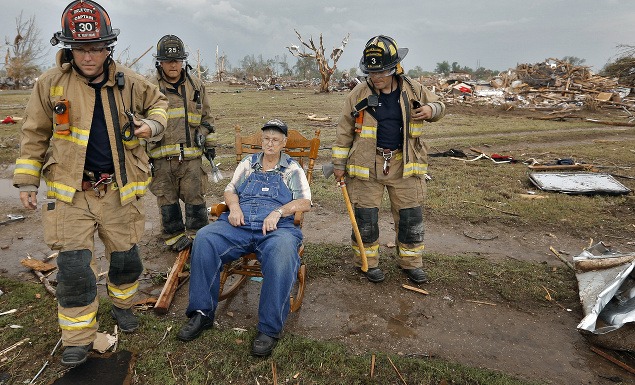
{"x":416,"y":275}
{"x":374,"y":274}
{"x":76,"y":355}
{"x":263,"y":345}
{"x":194,"y":327}
{"x":126,"y":321}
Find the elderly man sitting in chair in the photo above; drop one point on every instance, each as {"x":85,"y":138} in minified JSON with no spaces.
{"x":266,"y":190}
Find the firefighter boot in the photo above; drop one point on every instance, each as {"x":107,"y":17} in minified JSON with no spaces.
{"x":179,"y":242}
{"x":416,"y":275}
{"x":126,"y":321}
{"x":76,"y":355}
{"x":374,"y":274}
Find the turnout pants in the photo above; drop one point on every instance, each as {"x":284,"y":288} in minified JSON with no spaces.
{"x":176,"y":180}
{"x":406,"y":197}
{"x":70,"y":228}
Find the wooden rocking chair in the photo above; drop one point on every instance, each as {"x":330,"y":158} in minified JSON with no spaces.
{"x":305,"y":151}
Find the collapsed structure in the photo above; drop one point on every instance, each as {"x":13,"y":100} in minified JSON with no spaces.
{"x":552,"y":85}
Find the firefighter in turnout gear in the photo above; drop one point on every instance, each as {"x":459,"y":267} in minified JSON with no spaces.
{"x":178,"y":168}
{"x":74,"y":137}
{"x":379,"y":145}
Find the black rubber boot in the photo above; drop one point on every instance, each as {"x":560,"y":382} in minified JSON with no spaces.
{"x":76,"y":355}
{"x":126,"y":321}
{"x":374,"y":274}
{"x":416,"y":275}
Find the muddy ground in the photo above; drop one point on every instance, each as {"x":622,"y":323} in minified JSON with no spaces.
{"x":538,"y":344}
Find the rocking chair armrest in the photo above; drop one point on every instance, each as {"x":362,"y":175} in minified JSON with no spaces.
{"x":298,"y":217}
{"x":217,"y":209}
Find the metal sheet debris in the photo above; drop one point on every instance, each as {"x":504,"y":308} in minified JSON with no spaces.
{"x":607,"y":295}
{"x":578,"y":183}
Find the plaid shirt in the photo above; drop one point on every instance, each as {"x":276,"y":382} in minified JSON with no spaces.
{"x":292,"y":174}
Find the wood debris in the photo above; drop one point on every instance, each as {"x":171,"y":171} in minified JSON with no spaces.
{"x":412,"y":288}
{"x":372,"y":365}
{"x":172,"y":283}
{"x":314,"y":117}
{"x":37,"y":265}
{"x":561,"y":258}
{"x":614,"y":360}
{"x":10,"y":348}
{"x":397,"y":371}
{"x":274,"y":373}
{"x":553,"y":85}
{"x":480,"y":302}
{"x":47,"y":284}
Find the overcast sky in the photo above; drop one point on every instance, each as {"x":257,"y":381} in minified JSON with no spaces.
{"x":495,"y":34}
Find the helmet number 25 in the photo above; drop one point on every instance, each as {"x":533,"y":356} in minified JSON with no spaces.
{"x":85,"y":27}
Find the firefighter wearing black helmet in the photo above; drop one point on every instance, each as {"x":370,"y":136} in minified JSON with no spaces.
{"x":73,"y":138}
{"x":379,"y":146}
{"x":178,"y":171}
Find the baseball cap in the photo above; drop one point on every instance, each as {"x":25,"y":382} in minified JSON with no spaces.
{"x":276,"y":124}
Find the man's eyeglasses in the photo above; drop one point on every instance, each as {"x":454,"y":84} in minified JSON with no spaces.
{"x":275,"y":141}
{"x":382,"y":74}
{"x":90,"y":52}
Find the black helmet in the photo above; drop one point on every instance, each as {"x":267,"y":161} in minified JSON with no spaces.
{"x":170,"y":47}
{"x":381,"y":54}
{"x":85,"y":21}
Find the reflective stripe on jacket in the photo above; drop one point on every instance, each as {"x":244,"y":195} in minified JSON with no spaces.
{"x":356,"y":141}
{"x":199,"y":118}
{"x":58,"y":152}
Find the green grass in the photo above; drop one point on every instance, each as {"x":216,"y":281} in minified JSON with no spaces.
{"x":519,"y":284}
{"x":220,"y":356}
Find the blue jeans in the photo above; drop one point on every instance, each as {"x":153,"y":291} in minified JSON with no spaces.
{"x":220,"y":242}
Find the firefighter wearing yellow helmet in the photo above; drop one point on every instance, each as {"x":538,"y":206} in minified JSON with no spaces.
{"x":379,"y":146}
{"x":177,"y":158}
{"x":85,"y":121}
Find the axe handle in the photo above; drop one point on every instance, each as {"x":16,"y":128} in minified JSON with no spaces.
{"x":358,"y":236}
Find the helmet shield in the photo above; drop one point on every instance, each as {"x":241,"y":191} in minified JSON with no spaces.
{"x":381,"y":54}
{"x":85,"y":21}
{"x":170,"y":47}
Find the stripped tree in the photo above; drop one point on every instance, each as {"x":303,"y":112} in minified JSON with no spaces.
{"x":24,"y":51}
{"x":326,"y":69}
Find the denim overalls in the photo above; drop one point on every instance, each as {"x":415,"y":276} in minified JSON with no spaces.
{"x":277,"y":251}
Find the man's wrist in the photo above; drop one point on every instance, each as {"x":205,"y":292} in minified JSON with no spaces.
{"x":279,"y":211}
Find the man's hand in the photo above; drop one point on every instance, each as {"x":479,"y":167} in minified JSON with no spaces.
{"x":422,"y":113}
{"x":339,"y":174}
{"x":142,"y":130}
{"x":29,"y":199}
{"x":271,"y":222}
{"x":236,"y":217}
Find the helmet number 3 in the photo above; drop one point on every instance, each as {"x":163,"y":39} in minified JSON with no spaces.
{"x":373,"y":60}
{"x":85,"y":27}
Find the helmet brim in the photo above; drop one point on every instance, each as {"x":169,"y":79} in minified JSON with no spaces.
{"x":401,"y":54}
{"x":66,"y":41}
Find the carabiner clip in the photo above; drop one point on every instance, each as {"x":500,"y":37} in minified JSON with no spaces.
{"x":127,"y":133}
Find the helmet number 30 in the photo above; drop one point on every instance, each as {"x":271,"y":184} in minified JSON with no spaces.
{"x":85,"y":27}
